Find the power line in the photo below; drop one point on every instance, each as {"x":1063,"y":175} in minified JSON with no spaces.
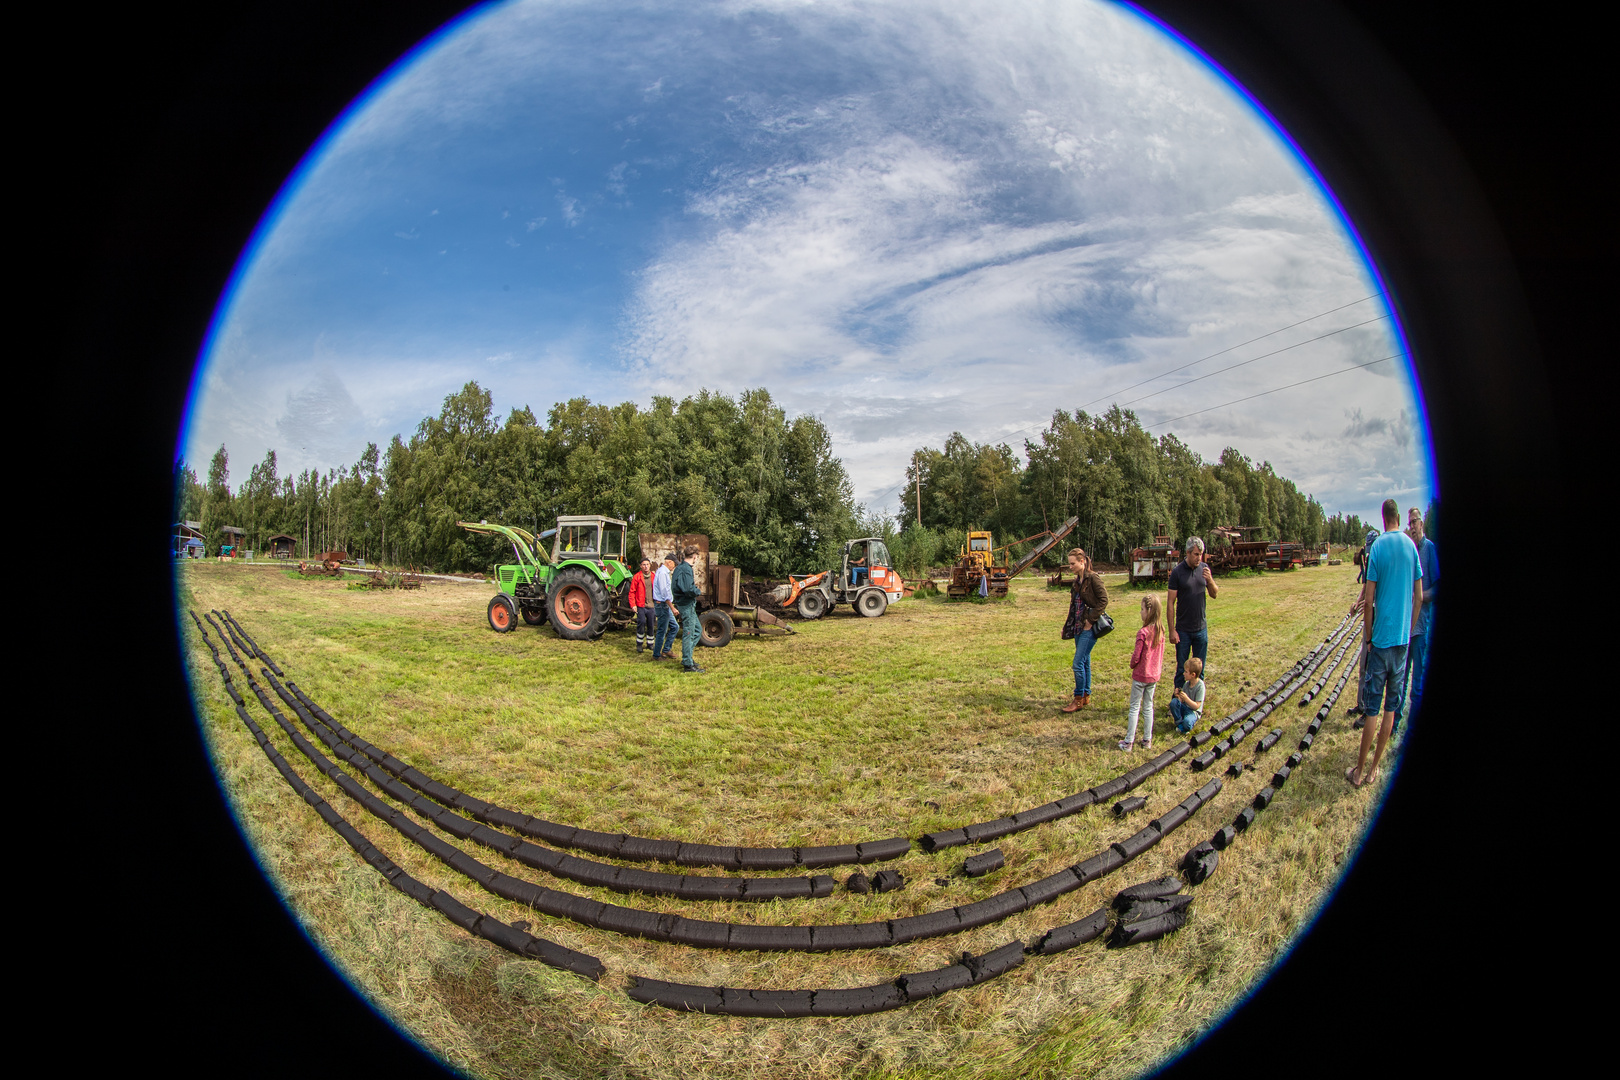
{"x":1263,"y":393}
{"x":1229,"y":348}
{"x":1251,"y":360}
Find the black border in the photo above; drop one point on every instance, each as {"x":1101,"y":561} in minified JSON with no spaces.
{"x":1457,"y":147}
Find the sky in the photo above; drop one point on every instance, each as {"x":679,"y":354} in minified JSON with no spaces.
{"x":907,"y":219}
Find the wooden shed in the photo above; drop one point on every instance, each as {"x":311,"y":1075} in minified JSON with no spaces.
{"x":281,"y":546}
{"x":188,"y":539}
{"x":230,"y":544}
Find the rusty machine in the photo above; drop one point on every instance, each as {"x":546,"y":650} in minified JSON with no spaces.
{"x":978,"y":572}
{"x":1233,"y":547}
{"x":1155,"y":561}
{"x":1285,"y":555}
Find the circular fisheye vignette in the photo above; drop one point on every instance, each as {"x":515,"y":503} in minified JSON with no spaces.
{"x":1392,"y":305}
{"x":313,"y":156}
{"x":289,"y":191}
{"x":222,"y":313}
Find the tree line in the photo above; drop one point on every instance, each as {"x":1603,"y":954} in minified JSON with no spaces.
{"x":765,"y":488}
{"x":1109,"y":472}
{"x":1117,"y":479}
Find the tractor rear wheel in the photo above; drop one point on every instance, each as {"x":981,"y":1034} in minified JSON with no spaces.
{"x":715,"y":628}
{"x":502,"y":615}
{"x":812,"y":604}
{"x":872,"y":603}
{"x":579,"y":605}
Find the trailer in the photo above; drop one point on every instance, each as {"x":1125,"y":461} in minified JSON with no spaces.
{"x":1155,"y":561}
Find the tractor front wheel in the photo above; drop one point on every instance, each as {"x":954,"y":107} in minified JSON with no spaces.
{"x":812,"y":604}
{"x":502,"y":615}
{"x":579,"y":605}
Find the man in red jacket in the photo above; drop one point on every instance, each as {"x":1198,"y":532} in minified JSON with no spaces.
{"x":641,"y":604}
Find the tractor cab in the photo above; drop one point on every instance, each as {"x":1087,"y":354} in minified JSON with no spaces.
{"x":978,"y":552}
{"x":867,"y":562}
{"x":594,"y":539}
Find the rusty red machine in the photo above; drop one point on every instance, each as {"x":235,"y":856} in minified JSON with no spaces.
{"x":1155,"y":561}
{"x":1284,"y":555}
{"x":1233,"y":547}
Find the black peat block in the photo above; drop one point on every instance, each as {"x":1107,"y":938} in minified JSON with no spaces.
{"x":980,"y":865}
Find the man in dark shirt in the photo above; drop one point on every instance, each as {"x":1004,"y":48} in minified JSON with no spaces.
{"x":1417,"y":650}
{"x":1189,"y":582}
{"x":684,"y":587}
{"x":1355,"y":609}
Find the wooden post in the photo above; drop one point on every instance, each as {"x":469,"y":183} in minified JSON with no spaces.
{"x":917,"y":469}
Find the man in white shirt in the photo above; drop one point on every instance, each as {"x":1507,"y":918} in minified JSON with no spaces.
{"x":663,"y":598}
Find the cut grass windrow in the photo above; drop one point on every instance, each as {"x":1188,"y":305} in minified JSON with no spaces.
{"x":613,"y":845}
{"x":711,"y":934}
{"x":476,"y":922}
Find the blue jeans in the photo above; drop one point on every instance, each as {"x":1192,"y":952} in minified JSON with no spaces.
{"x":1417,"y":660}
{"x":1194,"y":643}
{"x":1385,"y":680}
{"x":664,"y":630}
{"x":1184,"y":715}
{"x":1083,"y":642}
{"x":689,"y":633}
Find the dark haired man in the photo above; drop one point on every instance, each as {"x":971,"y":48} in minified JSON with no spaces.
{"x":1391,"y":599}
{"x":1417,"y":653}
{"x":640,"y":600}
{"x":684,"y":586}
{"x":1355,"y":609}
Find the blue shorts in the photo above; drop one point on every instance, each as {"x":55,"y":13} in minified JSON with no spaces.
{"x":1385,"y":679}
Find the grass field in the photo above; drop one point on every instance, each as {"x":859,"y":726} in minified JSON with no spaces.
{"x":931,"y":717}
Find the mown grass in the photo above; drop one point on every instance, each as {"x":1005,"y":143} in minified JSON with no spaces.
{"x":935,"y":715}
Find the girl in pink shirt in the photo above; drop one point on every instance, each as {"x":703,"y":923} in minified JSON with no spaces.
{"x":1146,"y":659}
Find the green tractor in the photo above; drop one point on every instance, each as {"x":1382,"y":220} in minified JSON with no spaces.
{"x":580,"y":588}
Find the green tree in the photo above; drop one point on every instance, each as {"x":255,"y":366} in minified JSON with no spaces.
{"x":218,"y":505}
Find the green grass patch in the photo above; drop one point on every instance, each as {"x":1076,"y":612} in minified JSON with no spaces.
{"x":938,"y":714}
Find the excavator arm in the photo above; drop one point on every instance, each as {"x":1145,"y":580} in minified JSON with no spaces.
{"x":1042,"y":548}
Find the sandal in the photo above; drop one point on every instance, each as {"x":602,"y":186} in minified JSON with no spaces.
{"x":1352,"y":776}
{"x":1147,"y":746}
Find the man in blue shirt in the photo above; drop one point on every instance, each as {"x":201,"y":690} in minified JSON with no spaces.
{"x":1417,"y":653}
{"x":1391,"y":599}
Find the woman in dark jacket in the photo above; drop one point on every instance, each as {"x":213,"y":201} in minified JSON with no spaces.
{"x":1088,"y":599}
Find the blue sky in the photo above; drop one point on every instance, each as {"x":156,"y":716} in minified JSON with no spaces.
{"x":905,"y":218}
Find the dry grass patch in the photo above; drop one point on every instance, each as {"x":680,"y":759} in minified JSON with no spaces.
{"x":852,"y":729}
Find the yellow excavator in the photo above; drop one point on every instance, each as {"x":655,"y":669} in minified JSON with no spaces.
{"x":978,"y":572}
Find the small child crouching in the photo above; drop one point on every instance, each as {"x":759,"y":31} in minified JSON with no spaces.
{"x":1188,"y":704}
{"x":1147,"y":659}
